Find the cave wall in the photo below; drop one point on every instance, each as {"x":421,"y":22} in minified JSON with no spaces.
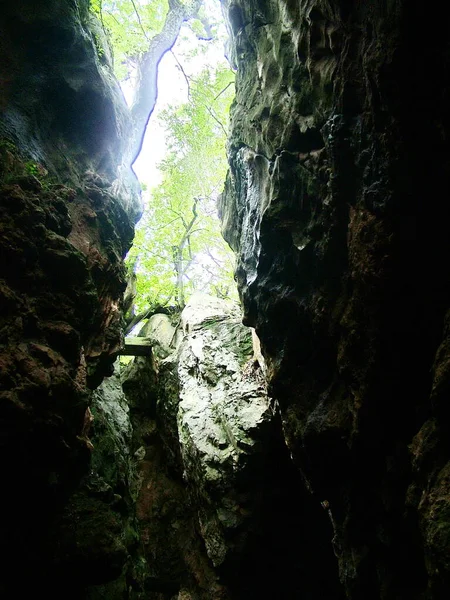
{"x":68,"y":207}
{"x":335,"y":204}
{"x":221,"y":511}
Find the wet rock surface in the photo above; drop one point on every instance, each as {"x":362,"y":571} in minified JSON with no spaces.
{"x":338,"y":140}
{"x":67,"y":213}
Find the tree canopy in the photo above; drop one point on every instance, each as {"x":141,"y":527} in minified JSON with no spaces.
{"x":130,"y":25}
{"x":178,"y":246}
{"x":140,"y":33}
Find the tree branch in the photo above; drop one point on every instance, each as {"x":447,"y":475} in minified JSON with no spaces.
{"x":101,"y":16}
{"x":147,"y":84}
{"x":139,"y":19}
{"x":216,"y":119}
{"x":214,"y":259}
{"x":153,"y":310}
{"x":224,"y":90}
{"x":112,"y":16}
{"x":184,"y":73}
{"x":206,"y":26}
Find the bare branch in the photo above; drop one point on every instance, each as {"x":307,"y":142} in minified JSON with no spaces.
{"x":139,"y":19}
{"x":224,"y":90}
{"x":180,"y":66}
{"x":216,"y":119}
{"x":214,"y":259}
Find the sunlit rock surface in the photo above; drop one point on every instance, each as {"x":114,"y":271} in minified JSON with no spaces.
{"x":219,"y":501}
{"x":338,"y":154}
{"x":223,"y":416}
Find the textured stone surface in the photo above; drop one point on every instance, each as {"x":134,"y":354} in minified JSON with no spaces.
{"x":224,"y":415}
{"x":336,"y":206}
{"x":106,"y":535}
{"x":338,"y":152}
{"x":219,"y":500}
{"x":67,"y":212}
{"x":170,"y":556}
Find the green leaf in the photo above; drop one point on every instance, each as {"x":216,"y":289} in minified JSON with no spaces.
{"x":193,"y":172}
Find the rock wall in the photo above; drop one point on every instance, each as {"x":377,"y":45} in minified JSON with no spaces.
{"x":67,"y":213}
{"x":220,"y":508}
{"x":195,"y":488}
{"x":335,"y":205}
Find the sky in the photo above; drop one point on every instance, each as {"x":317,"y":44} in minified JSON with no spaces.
{"x":193,"y":55}
{"x":172,"y":90}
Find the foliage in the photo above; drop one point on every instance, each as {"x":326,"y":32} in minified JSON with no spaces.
{"x":129,"y":24}
{"x":32,"y":168}
{"x":178,"y":246}
{"x":98,"y":46}
{"x":14,"y":167}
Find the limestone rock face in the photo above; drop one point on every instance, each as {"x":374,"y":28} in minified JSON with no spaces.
{"x":219,"y":500}
{"x":67,"y":214}
{"x":223,"y":416}
{"x":96,"y":534}
{"x":338,"y":152}
{"x":60,"y":102}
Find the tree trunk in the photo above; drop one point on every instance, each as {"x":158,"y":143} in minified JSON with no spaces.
{"x":147,"y":84}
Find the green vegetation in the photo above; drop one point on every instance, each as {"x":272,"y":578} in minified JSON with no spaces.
{"x":14,"y":167}
{"x":178,"y":247}
{"x":33,"y":168}
{"x":99,"y":47}
{"x":130,"y":25}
